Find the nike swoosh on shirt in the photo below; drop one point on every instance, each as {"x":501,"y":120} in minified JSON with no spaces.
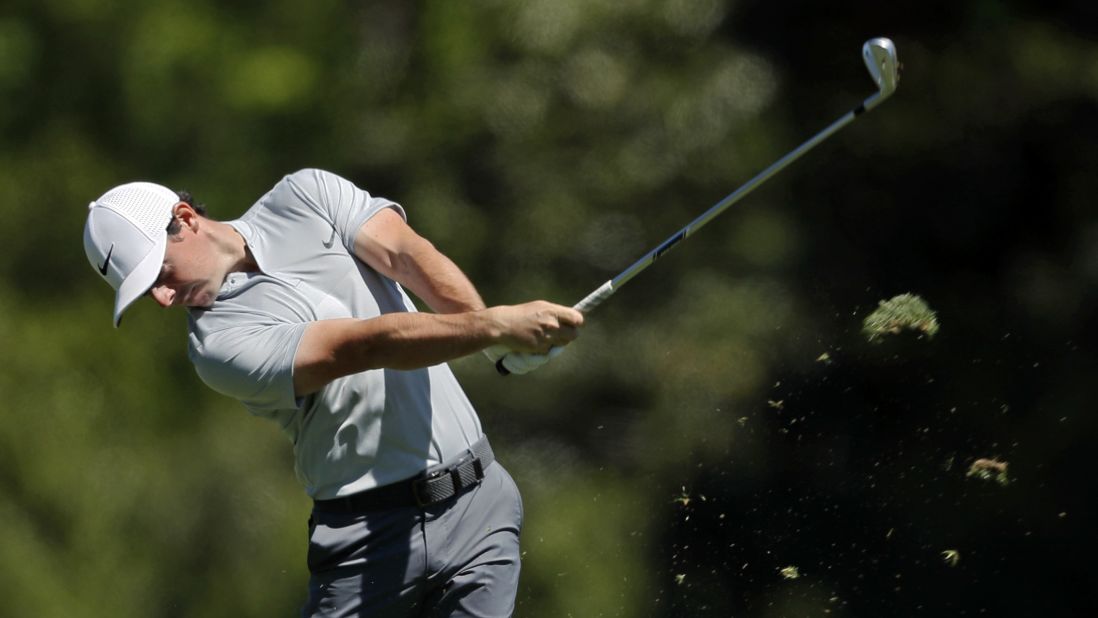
{"x":106,"y":262}
{"x":330,"y":241}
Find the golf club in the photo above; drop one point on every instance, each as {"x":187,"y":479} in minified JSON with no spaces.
{"x":879,"y":55}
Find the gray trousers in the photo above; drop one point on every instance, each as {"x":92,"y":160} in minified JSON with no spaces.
{"x":457,"y":558}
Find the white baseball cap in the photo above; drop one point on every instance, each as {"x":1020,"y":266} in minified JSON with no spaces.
{"x":126,"y":236}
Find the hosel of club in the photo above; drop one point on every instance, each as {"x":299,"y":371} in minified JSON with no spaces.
{"x":872,"y":102}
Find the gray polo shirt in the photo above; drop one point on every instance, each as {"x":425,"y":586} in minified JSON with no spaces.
{"x":359,"y":431}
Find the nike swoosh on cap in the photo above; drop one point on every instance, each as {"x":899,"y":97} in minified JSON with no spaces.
{"x":106,"y":262}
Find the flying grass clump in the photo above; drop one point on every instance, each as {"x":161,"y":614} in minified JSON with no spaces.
{"x":989,"y":470}
{"x":900,"y":313}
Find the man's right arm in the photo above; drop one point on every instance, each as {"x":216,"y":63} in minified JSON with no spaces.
{"x":331,"y":349}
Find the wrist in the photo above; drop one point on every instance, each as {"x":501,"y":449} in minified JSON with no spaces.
{"x":490,"y":325}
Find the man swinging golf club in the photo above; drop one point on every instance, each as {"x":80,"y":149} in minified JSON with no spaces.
{"x":298,"y":310}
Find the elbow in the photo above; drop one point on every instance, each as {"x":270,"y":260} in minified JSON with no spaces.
{"x":310,"y":377}
{"x":322,"y":366}
{"x":323,"y":355}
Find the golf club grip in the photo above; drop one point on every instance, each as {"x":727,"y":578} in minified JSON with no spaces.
{"x":596,"y":298}
{"x":592,"y":300}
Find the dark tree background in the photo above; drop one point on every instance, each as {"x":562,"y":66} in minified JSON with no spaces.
{"x":722,"y":440}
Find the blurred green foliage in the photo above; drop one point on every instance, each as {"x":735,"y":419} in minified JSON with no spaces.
{"x":545,"y":145}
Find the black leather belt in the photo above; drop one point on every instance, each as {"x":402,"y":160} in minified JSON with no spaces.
{"x":436,"y":485}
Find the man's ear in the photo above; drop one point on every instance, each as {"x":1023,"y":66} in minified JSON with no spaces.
{"x":186,"y":215}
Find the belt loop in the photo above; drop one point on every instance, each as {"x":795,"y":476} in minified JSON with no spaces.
{"x":417,"y":485}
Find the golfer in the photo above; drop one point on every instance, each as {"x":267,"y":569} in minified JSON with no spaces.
{"x":298,"y":309}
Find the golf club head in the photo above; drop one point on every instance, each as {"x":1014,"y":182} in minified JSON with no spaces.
{"x":880,"y":58}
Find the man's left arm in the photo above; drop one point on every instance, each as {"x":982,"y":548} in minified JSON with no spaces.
{"x":390,"y":246}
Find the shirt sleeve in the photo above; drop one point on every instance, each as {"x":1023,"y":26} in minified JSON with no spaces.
{"x":345,"y":206}
{"x":252,"y":363}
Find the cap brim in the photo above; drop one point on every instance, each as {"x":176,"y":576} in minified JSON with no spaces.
{"x":141,"y":278}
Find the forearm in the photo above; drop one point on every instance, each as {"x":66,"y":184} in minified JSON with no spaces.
{"x":436,"y":280}
{"x":330,"y":349}
{"x":389,"y":246}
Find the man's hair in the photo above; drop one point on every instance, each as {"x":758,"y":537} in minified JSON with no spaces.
{"x":185,"y":196}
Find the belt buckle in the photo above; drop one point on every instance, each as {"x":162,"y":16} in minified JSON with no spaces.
{"x":454,"y":472}
{"x":455,"y":486}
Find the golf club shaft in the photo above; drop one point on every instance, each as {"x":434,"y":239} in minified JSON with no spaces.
{"x":595,"y":298}
{"x":606,"y":290}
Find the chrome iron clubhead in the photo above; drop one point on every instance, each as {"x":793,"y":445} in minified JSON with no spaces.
{"x":880,"y":58}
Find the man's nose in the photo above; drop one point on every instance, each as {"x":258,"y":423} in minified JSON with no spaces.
{"x":163,"y":295}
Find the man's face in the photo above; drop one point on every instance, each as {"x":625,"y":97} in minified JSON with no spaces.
{"x":189,"y":275}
